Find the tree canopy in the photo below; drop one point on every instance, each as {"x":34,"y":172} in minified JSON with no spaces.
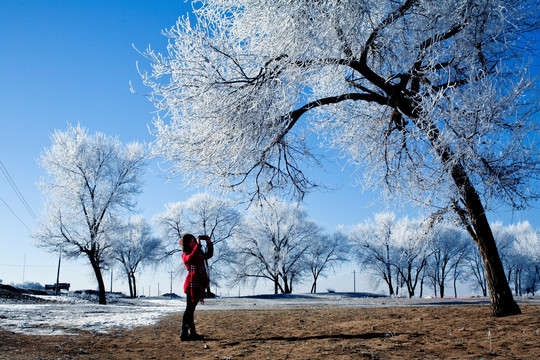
{"x":430,"y":99}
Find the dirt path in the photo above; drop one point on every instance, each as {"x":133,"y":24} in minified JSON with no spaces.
{"x":319,"y":332}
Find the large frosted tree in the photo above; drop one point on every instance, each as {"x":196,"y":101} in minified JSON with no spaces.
{"x":428,"y":98}
{"x":92,"y":179}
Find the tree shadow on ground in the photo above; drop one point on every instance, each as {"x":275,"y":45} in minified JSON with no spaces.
{"x":365,"y":336}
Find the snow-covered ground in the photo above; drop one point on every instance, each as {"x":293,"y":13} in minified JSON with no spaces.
{"x":67,"y":314}
{"x":62,"y":317}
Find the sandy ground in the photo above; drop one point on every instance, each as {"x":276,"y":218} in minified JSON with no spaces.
{"x":426,"y":331}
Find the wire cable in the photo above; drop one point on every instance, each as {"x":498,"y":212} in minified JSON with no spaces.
{"x":13,"y":212}
{"x":16,"y":189}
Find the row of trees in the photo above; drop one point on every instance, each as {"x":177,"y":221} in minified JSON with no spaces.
{"x":94,"y":179}
{"x":407,"y":253}
{"x":278,"y":243}
{"x":275,"y":242}
{"x":91,"y":189}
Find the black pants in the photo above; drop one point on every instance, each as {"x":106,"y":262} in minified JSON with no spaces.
{"x":190,"y":309}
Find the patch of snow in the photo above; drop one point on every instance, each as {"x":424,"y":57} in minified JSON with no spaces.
{"x":62,"y":317}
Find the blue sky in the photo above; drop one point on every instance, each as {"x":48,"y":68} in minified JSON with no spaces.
{"x":72,"y":61}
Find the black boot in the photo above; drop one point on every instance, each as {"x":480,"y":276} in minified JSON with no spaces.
{"x":184,"y":335}
{"x":193,"y":334}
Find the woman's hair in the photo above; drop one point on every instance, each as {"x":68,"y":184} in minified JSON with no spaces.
{"x":186,"y":238}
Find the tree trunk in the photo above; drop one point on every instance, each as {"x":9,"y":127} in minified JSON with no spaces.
{"x":99,"y":278}
{"x":314,"y":285}
{"x":130,"y":285}
{"x":286,"y":289}
{"x":389,"y":271}
{"x":134,"y":285}
{"x":501,"y":301}
{"x":442,"y":278}
{"x":209,"y":293}
{"x":390,"y":289}
{"x":474,"y":217}
{"x":441,"y":289}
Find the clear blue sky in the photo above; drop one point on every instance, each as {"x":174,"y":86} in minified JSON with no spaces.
{"x":71,"y":61}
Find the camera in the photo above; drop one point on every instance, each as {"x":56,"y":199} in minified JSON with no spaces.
{"x":204,"y":237}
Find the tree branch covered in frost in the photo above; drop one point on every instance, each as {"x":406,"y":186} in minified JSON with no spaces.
{"x":409,"y":91}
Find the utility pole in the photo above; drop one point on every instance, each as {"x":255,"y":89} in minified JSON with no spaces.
{"x":354,"y":280}
{"x":56,"y":290}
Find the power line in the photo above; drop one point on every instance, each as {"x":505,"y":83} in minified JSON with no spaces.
{"x":22,"y":222}
{"x":16,"y":189}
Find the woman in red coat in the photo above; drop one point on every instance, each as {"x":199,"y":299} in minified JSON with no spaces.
{"x":196,"y":280}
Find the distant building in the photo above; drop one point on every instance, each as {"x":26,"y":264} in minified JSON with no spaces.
{"x":61,"y":286}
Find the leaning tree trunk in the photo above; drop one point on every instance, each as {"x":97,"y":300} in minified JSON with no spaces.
{"x":501,"y":301}
{"x":474,"y":216}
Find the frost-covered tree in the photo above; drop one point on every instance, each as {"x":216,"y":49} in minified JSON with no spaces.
{"x":91,"y":181}
{"x":395,"y":251}
{"x":474,"y":263}
{"x":136,"y":246}
{"x":324,"y":253}
{"x":520,"y":252}
{"x":411,"y":244}
{"x":173,"y":224}
{"x":273,"y":244}
{"x":511,"y":259}
{"x":448,"y":245}
{"x":427,"y":98}
{"x":528,"y":244}
{"x":202,"y":214}
{"x":374,"y":248}
{"x":459,"y":268}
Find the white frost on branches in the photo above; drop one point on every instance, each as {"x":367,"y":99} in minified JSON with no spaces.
{"x":233,"y":86}
{"x":273,"y":244}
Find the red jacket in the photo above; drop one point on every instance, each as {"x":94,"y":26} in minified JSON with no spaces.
{"x":197,"y":279}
